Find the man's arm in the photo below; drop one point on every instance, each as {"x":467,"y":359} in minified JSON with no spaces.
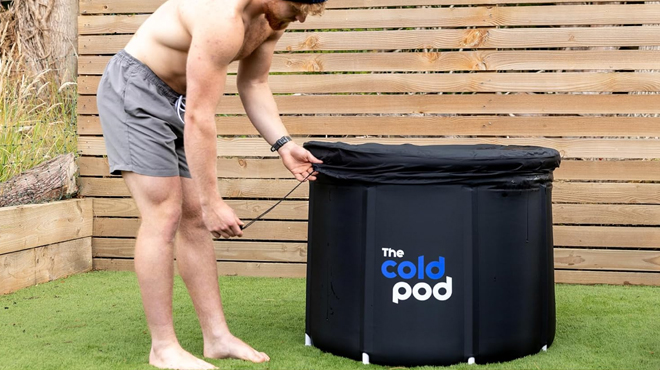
{"x":215,"y":42}
{"x":255,"y":93}
{"x":257,"y":98}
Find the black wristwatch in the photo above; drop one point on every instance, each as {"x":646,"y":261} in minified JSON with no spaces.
{"x":279,"y":143}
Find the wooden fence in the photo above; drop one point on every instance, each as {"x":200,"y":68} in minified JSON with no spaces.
{"x":44,"y":242}
{"x":578,"y":77}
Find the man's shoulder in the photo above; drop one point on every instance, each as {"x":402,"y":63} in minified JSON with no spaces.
{"x":208,"y":15}
{"x":212,"y":8}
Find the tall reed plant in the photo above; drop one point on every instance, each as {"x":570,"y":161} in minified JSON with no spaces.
{"x":37,"y":117}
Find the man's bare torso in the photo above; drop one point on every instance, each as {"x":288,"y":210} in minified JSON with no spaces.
{"x":163,"y":41}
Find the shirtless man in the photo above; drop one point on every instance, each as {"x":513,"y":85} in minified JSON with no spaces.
{"x":180,"y":55}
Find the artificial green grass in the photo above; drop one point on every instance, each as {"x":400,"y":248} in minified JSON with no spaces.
{"x":95,"y":321}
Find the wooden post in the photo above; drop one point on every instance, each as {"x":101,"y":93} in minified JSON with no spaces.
{"x":62,"y":37}
{"x":46,"y":31}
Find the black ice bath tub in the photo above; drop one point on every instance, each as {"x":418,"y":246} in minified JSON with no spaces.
{"x":431,"y":255}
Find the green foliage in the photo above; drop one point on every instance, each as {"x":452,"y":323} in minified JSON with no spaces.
{"x":37,"y":121}
{"x":95,"y":321}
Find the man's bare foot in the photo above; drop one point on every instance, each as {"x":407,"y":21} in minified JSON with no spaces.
{"x":175,"y":357}
{"x":231,"y":347}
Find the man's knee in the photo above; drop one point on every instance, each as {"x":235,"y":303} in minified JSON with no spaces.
{"x":191,"y":218}
{"x":164,"y":220}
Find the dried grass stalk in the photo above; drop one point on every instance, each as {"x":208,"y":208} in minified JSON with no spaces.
{"x":34,"y":39}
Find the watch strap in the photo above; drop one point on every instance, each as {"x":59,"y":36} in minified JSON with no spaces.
{"x":280,"y":143}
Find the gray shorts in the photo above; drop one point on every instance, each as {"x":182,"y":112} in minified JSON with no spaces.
{"x":142,"y":128}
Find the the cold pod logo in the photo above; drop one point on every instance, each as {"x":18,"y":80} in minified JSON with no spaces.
{"x":407,"y":270}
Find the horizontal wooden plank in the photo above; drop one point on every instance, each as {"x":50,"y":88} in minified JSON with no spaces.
{"x":110,"y":24}
{"x":63,"y":259}
{"x":232,"y":168}
{"x":563,"y":214}
{"x":564,"y":236}
{"x":113,"y":187}
{"x":479,"y":60}
{"x":611,"y":260}
{"x":272,"y":168}
{"x":149,"y":6}
{"x":609,"y":193}
{"x":255,"y":269}
{"x":93,"y":166}
{"x":480,"y":16}
{"x":628,"y":193}
{"x":442,"y":82}
{"x":229,"y":188}
{"x":609,"y":170}
{"x":606,"y":277}
{"x":563,"y":192}
{"x":39,"y":265}
{"x":523,"y":103}
{"x":262,"y":230}
{"x":486,"y":16}
{"x":565,"y":126}
{"x":581,"y":259}
{"x":115,"y":207}
{"x":31,"y":226}
{"x":283,"y":270}
{"x":568,"y":236}
{"x":605,"y":214}
{"x":116,"y":227}
{"x":245,"y":209}
{"x":481,"y":38}
{"x":568,"y":148}
{"x":607,"y":236}
{"x":225,"y":250}
{"x":18,"y":271}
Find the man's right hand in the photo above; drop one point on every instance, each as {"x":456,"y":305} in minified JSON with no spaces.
{"x":221,"y":220}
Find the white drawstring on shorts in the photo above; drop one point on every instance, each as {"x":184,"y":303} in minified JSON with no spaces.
{"x":181,"y":108}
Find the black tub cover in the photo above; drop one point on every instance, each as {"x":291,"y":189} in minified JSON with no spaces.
{"x":436,"y":164}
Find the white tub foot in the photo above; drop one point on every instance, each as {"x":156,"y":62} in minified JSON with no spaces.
{"x":471,"y":361}
{"x":308,"y":340}
{"x":365,"y":358}
{"x":545,"y":348}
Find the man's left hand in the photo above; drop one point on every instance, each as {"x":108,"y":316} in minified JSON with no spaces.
{"x":298,"y":160}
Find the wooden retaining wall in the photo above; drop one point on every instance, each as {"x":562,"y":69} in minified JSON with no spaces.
{"x":44,"y":242}
{"x":578,"y":77}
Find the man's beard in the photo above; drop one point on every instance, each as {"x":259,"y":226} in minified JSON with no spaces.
{"x":274,"y":23}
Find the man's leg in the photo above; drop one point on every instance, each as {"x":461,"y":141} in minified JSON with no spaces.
{"x":198,"y":268}
{"x":159,"y":200}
